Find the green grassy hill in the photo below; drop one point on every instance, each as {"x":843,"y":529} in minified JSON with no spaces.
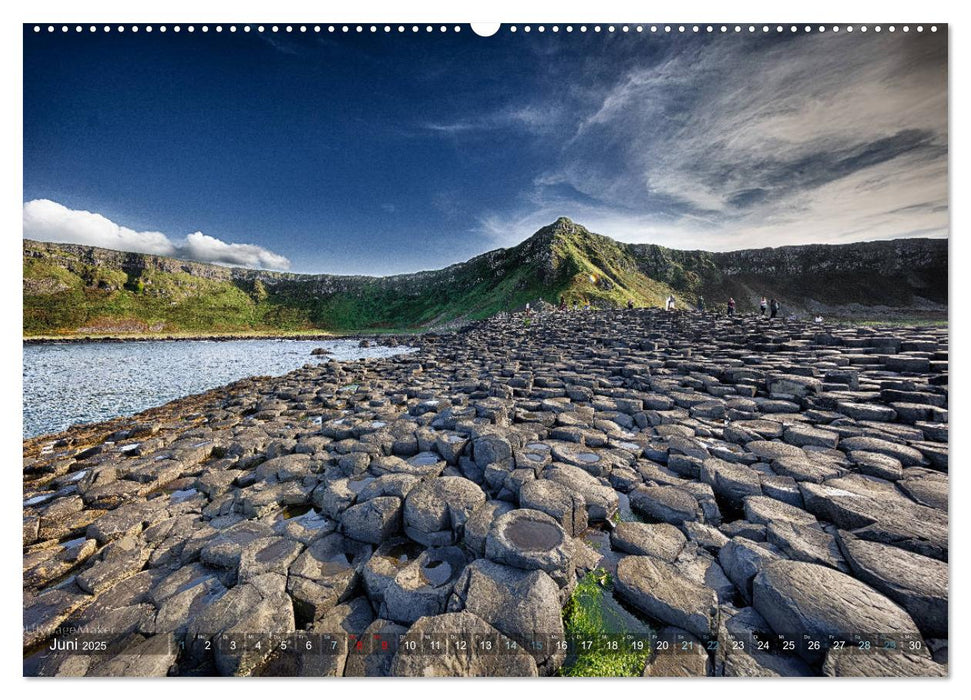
{"x":70,"y":289}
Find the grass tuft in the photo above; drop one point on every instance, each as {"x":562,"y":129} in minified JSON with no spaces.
{"x":583,"y":618}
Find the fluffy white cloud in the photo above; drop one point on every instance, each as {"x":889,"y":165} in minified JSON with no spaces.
{"x":45,"y":220}
{"x":199,"y":246}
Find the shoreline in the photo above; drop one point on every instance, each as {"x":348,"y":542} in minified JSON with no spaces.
{"x":215,"y":337}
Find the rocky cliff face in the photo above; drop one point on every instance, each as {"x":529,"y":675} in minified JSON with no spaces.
{"x":878,"y":257}
{"x":66,"y":285}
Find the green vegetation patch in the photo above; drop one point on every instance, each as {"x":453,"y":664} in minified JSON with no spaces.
{"x":588,"y":615}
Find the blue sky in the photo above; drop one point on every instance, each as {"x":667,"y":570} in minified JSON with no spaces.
{"x":379,"y":154}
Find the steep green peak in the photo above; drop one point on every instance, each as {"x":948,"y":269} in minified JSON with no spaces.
{"x":561,"y":230}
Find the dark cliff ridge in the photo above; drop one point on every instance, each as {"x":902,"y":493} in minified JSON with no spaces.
{"x":67,"y":287}
{"x":891,"y":257}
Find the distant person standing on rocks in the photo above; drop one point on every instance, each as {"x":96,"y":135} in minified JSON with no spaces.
{"x":731,"y":306}
{"x":774,"y":307}
{"x":562,"y":303}
{"x":630,"y":304}
{"x":529,"y":311}
{"x":701,"y":304}
{"x":586,"y":305}
{"x":762,"y":306}
{"x":669,"y":305}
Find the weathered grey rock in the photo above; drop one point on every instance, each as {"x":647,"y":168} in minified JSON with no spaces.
{"x":422,"y":586}
{"x":397,"y":485}
{"x":127,"y":559}
{"x":325,"y":574}
{"x":928,"y":488}
{"x":782,"y":488}
{"x":658,"y":540}
{"x":743,"y":528}
{"x":804,"y":469}
{"x":877,"y":465}
{"x":789,"y":385}
{"x":666,"y":504}
{"x":305,"y":528}
{"x":151,"y":657}
{"x":806,"y":543}
{"x":47,"y":565}
{"x":520,"y":604}
{"x":450,"y":446}
{"x":739,"y":655}
{"x":529,"y":539}
{"x":345,"y":623}
{"x":658,"y":590}
{"x":193,"y":598}
{"x":769,"y":450}
{"x":492,"y":449}
{"x":124,"y":521}
{"x":802,"y":435}
{"x":908,"y":456}
{"x":44,"y":612}
{"x":267,"y":554}
{"x":435,"y":511}
{"x":697,"y":565}
{"x":224,"y":549}
{"x":799,"y":598}
{"x":705,"y":536}
{"x":918,"y":584}
{"x":480,"y":522}
{"x":733,"y":482}
{"x":374,"y":520}
{"x":881,"y":664}
{"x":876,"y":511}
{"x":692,"y":662}
{"x":382,"y":638}
{"x":866,"y":411}
{"x":742,"y":559}
{"x":602,"y":501}
{"x":764,"y":511}
{"x":564,"y":505}
{"x":467,"y":662}
{"x":334,"y":498}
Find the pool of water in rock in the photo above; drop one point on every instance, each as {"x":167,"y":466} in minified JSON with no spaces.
{"x":71,"y":383}
{"x":533,"y":535}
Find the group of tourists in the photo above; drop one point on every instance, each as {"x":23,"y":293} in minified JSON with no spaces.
{"x":576,"y":305}
{"x":767,"y":309}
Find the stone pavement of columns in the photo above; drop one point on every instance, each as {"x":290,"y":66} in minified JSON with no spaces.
{"x":748,"y":478}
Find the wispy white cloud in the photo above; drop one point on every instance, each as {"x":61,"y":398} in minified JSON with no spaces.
{"x":45,"y":220}
{"x":529,"y":118}
{"x":735,"y":142}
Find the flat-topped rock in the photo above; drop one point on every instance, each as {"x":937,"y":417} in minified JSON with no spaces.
{"x":657,"y":589}
{"x":799,"y":598}
{"x":659,"y":540}
{"x":918,"y":584}
{"x":530,"y":539}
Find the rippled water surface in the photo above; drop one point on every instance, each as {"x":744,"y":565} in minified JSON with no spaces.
{"x":90,"y":382}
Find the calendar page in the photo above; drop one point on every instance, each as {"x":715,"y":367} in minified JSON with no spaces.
{"x":450,"y":350}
